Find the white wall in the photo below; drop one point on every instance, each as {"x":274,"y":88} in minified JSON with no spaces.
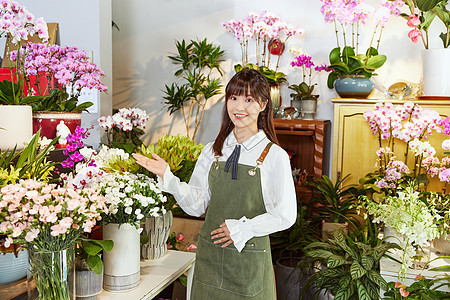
{"x":86,"y":24}
{"x":149,"y":29}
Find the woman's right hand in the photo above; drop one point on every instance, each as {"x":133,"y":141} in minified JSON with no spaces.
{"x":157,"y":165}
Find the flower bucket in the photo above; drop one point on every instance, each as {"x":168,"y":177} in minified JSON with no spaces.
{"x":88,"y":284}
{"x":15,"y":126}
{"x":122,"y":263}
{"x":48,"y":120}
{"x":358,"y":87}
{"x":53,"y":274}
{"x":435,"y":72}
{"x":157,"y":229}
{"x":308,"y":108}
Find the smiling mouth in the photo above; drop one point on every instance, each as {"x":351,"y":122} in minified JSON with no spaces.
{"x":239,"y":116}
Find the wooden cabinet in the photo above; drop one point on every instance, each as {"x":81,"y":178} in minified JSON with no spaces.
{"x":310,"y":141}
{"x":354,"y":146}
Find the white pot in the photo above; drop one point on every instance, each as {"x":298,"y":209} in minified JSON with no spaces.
{"x":16,"y":126}
{"x":122,"y":263}
{"x":436,"y":72}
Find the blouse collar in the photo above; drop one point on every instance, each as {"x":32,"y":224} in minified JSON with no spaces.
{"x":249,"y":143}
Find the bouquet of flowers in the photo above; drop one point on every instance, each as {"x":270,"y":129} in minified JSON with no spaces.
{"x":130,"y":197}
{"x":124,"y":128}
{"x":66,"y":69}
{"x":48,"y":219}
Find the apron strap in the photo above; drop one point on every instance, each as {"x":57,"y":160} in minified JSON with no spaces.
{"x":260,"y":160}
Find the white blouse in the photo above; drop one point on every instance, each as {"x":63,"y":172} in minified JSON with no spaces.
{"x":276,"y":180}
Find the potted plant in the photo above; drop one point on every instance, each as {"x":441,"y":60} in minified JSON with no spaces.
{"x":89,"y":266}
{"x":15,"y":112}
{"x":288,"y":254}
{"x":353,"y":68}
{"x":198,"y":60}
{"x":68,"y":72}
{"x":421,"y":16}
{"x":303,"y":98}
{"x":348,"y":265}
{"x":270,"y":35}
{"x":333,"y":203}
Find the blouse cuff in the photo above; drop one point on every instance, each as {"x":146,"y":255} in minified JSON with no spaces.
{"x":163,"y":183}
{"x":240,"y":232}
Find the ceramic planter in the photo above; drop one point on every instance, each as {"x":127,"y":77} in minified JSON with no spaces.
{"x":15,"y":126}
{"x":122,"y":263}
{"x":157,"y":229}
{"x":442,"y":244}
{"x":12,"y":267}
{"x":435,"y":72}
{"x":358,"y":87}
{"x":48,"y":120}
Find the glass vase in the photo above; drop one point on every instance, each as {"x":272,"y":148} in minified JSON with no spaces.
{"x":51,"y":275}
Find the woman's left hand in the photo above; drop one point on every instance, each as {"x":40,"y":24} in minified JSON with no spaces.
{"x":223,"y":233}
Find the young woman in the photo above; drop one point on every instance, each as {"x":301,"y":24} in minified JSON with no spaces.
{"x":243,"y":182}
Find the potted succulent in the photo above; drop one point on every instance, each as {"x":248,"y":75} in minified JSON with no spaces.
{"x":303,"y":98}
{"x":353,"y":68}
{"x":197,"y":59}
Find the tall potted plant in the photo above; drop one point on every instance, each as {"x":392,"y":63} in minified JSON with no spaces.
{"x":15,"y":112}
{"x":421,"y":15}
{"x":198,"y":61}
{"x":352,"y":67}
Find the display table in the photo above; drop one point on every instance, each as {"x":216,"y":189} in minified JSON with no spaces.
{"x":389,"y":271}
{"x":156,"y":275}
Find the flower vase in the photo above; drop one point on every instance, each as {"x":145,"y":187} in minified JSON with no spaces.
{"x":13,"y":265}
{"x":48,"y":120}
{"x":122,"y":263}
{"x":275,"y":97}
{"x":356,"y":86}
{"x":435,"y":72}
{"x":157,"y":229}
{"x":50,"y":275}
{"x":88,"y":284}
{"x":15,"y":126}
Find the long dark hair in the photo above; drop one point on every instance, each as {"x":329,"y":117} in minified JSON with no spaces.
{"x":247,"y":82}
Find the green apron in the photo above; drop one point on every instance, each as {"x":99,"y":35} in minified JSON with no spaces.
{"x":224,"y":273}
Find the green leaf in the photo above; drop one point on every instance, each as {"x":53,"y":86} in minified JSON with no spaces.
{"x":344,"y":292}
{"x":332,"y":273}
{"x":143,"y":239}
{"x":375,"y":277}
{"x":331,"y":79}
{"x":356,"y":270}
{"x":362,"y":292}
{"x":95,"y":264}
{"x":319,"y":254}
{"x":335,"y":55}
{"x":426,"y":5}
{"x":376,"y":61}
{"x":91,"y":248}
{"x":441,"y":269}
{"x":367,"y":262}
{"x":336,"y":261}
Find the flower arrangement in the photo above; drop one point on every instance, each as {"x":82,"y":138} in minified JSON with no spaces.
{"x":422,"y":13}
{"x":18,"y":23}
{"x":270,"y":35}
{"x":124,"y":128}
{"x":66,"y":69}
{"x":129,"y":198}
{"x":47,"y":219}
{"x":304,"y":90}
{"x":397,"y":191}
{"x":421,"y":288}
{"x":347,"y":17}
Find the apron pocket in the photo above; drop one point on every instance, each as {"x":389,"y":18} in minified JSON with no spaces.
{"x":243,"y":272}
{"x":208,"y":263}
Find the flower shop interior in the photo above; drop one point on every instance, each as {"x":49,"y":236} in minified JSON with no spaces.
{"x":360,"y":92}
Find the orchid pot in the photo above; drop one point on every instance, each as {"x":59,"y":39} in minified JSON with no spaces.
{"x":354,"y":86}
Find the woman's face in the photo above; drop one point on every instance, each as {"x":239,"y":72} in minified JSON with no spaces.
{"x":243,"y":112}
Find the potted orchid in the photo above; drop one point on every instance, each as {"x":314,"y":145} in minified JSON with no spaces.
{"x":15,"y":113}
{"x":48,"y":220}
{"x":124,"y":128}
{"x":269,"y":35}
{"x":397,"y":193}
{"x":347,"y":60}
{"x":421,"y":15}
{"x":303,"y":98}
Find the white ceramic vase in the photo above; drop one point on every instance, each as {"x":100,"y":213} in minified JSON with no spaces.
{"x":16,"y":126}
{"x":436,"y":72}
{"x":122,"y":263}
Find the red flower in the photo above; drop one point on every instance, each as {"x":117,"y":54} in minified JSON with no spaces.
{"x":414,"y":35}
